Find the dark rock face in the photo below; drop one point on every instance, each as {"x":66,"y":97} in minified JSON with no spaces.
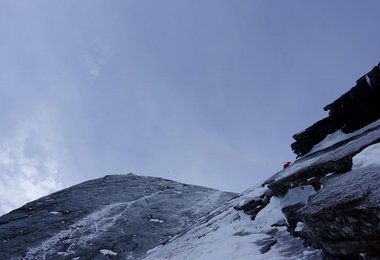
{"x":355,"y":109}
{"x":344,"y":216}
{"x":310,"y":169}
{"x":118,"y":216}
{"x":360,"y":105}
{"x":307,"y":139}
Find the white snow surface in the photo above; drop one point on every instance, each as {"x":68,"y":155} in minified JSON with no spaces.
{"x":156,"y":220}
{"x":107,"y":252}
{"x":370,"y":156}
{"x":368,"y":80}
{"x":297,"y":195}
{"x":300,"y":226}
{"x":229,"y":234}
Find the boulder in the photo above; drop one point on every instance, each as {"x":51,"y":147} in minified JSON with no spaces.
{"x":344,"y":217}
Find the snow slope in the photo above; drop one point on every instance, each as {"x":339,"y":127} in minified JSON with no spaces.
{"x":229,"y":234}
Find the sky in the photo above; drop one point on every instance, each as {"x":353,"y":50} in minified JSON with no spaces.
{"x":198,"y":91}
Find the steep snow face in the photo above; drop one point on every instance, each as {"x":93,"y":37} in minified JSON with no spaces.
{"x":119,"y":216}
{"x":229,"y":234}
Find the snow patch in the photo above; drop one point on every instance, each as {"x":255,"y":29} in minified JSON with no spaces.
{"x":300,"y":226}
{"x":370,"y":156}
{"x":156,"y":220}
{"x":297,"y":195}
{"x":107,"y":252}
{"x":308,"y":253}
{"x":270,"y":215}
{"x":368,"y":80}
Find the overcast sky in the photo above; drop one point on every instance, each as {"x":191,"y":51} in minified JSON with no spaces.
{"x":199,"y":91}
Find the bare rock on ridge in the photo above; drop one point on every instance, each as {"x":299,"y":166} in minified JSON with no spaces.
{"x":355,"y":109}
{"x":118,"y":216}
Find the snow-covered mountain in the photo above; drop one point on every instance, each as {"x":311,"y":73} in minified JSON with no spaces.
{"x":325,"y":205}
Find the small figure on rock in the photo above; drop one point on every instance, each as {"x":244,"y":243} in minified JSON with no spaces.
{"x":287,"y":164}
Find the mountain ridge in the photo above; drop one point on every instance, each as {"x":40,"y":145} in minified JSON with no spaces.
{"x":132,"y":213}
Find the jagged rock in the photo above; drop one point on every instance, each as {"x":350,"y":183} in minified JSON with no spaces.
{"x":311,"y":168}
{"x":293,"y":216}
{"x":344,"y":217}
{"x":119,"y":215}
{"x":355,"y":109}
{"x":266,"y":244}
{"x":314,"y":134}
{"x":360,"y":105}
{"x":255,"y":205}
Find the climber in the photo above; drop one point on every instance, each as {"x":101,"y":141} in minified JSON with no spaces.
{"x":287,"y":164}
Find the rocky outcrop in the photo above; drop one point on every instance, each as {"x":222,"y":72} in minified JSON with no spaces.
{"x":360,"y":105}
{"x":335,"y":159}
{"x":117,"y":216}
{"x":309,"y":137}
{"x":355,"y":109}
{"x":344,"y":217}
